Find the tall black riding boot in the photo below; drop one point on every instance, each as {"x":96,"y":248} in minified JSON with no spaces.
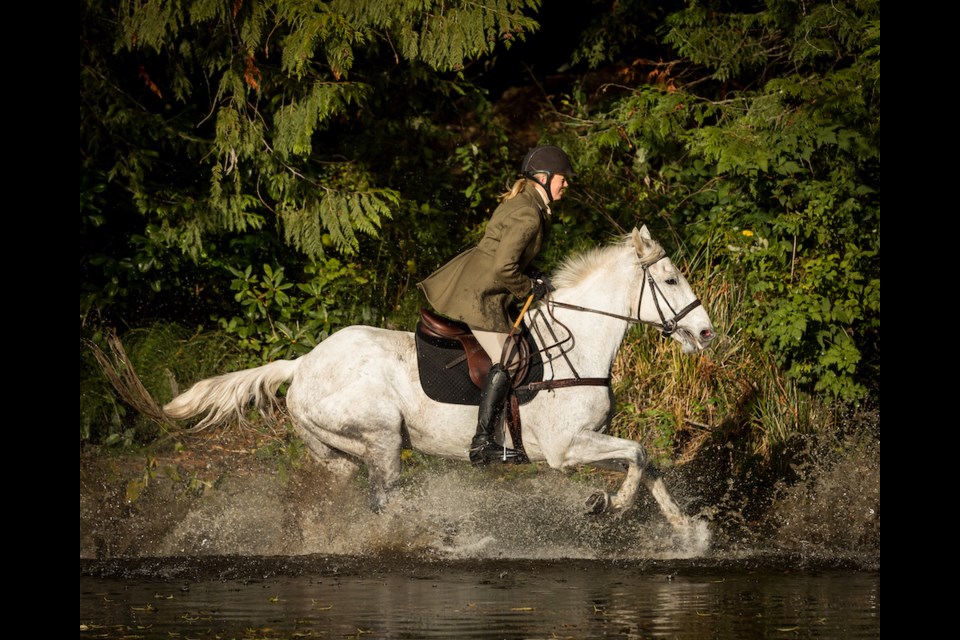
{"x":484,"y":449}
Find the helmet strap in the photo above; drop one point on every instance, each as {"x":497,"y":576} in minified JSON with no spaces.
{"x":545,"y":184}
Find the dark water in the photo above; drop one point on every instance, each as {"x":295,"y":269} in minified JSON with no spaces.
{"x":331,"y":597}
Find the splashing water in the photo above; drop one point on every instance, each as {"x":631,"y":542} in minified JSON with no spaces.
{"x":449,"y":510}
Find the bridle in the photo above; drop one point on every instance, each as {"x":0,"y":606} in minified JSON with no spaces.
{"x":667,"y":327}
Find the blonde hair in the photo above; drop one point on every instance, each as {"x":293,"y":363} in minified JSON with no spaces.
{"x":515,"y":190}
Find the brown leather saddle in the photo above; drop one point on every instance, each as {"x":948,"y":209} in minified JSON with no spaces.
{"x":478,"y":362}
{"x":453,"y":368}
{"x":445,"y":348}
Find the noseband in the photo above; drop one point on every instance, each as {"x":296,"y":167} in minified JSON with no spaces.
{"x":666,"y":327}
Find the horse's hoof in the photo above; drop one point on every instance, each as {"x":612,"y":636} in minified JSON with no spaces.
{"x":598,"y":503}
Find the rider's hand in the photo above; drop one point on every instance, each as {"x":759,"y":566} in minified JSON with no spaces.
{"x":541,"y":287}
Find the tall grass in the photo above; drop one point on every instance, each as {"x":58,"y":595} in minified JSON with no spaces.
{"x":676,"y":403}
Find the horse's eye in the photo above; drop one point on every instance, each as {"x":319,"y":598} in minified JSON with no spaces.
{"x":671,"y":281}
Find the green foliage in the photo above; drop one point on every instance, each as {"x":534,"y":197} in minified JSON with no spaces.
{"x":297,"y":122}
{"x":481,"y":172}
{"x":777,"y":138}
{"x":102,"y":416}
{"x":728,"y":43}
{"x":212,"y":122}
{"x":167,"y":357}
{"x":283,"y":319}
{"x":624,"y":30}
{"x":733,"y":394}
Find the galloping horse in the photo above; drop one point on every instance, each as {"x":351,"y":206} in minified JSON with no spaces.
{"x":359,"y":393}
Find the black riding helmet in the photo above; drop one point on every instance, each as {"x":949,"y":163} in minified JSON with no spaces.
{"x":547,"y":159}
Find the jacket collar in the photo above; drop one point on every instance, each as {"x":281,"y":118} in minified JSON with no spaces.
{"x":534,"y":190}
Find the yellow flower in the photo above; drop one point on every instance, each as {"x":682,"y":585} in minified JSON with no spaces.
{"x":747,"y":232}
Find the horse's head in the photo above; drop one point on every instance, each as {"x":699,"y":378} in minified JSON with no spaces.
{"x":666,"y":300}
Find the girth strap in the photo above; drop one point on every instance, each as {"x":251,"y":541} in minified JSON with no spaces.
{"x":567,"y":382}
{"x":513,"y":416}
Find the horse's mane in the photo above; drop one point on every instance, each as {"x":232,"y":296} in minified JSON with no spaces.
{"x":575,"y":268}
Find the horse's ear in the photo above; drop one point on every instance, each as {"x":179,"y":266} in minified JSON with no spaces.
{"x":642,"y":240}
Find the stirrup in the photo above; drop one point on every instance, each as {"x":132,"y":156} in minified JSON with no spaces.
{"x":490,"y":452}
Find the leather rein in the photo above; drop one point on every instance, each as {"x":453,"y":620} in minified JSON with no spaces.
{"x":666,"y":326}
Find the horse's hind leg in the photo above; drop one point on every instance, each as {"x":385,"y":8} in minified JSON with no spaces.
{"x":378,"y":449}
{"x":330,"y":459}
{"x":383,"y":460}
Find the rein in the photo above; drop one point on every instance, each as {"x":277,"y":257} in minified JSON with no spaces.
{"x":667,"y":327}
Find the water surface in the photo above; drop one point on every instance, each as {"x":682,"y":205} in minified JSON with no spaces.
{"x":336,"y":597}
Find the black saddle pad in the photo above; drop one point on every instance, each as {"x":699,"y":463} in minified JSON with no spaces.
{"x":445,"y":377}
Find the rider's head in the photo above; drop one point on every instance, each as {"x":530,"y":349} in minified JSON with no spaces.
{"x":549,"y":167}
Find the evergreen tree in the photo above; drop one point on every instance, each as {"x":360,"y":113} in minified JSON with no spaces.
{"x":220,"y":134}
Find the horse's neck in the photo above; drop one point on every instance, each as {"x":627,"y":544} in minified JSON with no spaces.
{"x":589,"y":341}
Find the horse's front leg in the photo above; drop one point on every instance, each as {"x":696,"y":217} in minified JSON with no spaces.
{"x":589,"y":447}
{"x":597,"y":449}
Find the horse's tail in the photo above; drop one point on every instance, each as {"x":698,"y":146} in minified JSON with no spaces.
{"x":226,"y":397}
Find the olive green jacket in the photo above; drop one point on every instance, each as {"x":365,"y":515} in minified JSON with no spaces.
{"x":479,"y":285}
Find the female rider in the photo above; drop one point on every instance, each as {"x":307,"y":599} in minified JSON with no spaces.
{"x":479,"y":286}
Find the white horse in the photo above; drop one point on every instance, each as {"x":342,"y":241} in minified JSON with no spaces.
{"x":359,"y":392}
